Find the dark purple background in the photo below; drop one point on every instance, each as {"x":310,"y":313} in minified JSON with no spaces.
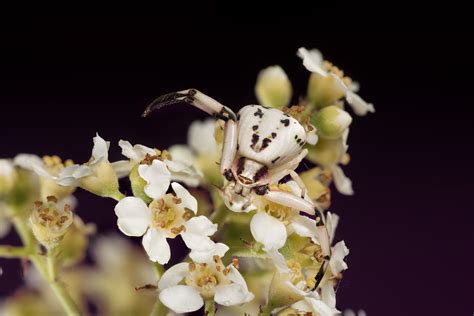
{"x":409,"y":226}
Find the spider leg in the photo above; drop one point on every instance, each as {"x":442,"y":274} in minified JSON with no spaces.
{"x":290,"y":200}
{"x":229,"y":149}
{"x":279,"y":172}
{"x":195,"y":98}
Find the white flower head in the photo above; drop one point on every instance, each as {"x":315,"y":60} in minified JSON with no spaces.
{"x":167,"y":216}
{"x":273,"y":222}
{"x":184,"y":287}
{"x":179,"y":167}
{"x":314,"y":62}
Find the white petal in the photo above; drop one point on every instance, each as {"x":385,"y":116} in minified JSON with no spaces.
{"x":70,"y":176}
{"x":156,"y":246}
{"x":27,"y":161}
{"x":173,"y":275}
{"x":321,"y":308}
{"x":328,"y":295}
{"x":135,"y":153}
{"x":304,"y":226}
{"x":134,"y":216}
{"x":312,"y":60}
{"x":331,"y":223}
{"x":232,"y":294}
{"x":343,"y":184}
{"x":100,"y":151}
{"x":235,"y":276}
{"x":122,"y":168}
{"x":339,"y":252}
{"x":206,"y":256}
{"x":359,"y":106}
{"x":183,"y":154}
{"x":197,"y":231}
{"x":188,"y":201}
{"x":268,"y":230}
{"x":181,"y":299}
{"x":157,"y":177}
{"x":278,"y":260}
{"x":302,"y":306}
{"x":201,"y":136}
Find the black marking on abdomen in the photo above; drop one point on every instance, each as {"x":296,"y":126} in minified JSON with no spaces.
{"x":255,"y":138}
{"x":274,"y":135}
{"x":240,"y":165}
{"x":259,"y":113}
{"x":255,"y":127}
{"x":275,"y":160}
{"x":266,"y":141}
{"x":285,"y":122}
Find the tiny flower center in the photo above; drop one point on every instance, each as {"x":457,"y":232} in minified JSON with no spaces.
{"x":168,"y":213}
{"x":50,"y":216}
{"x":330,"y":67}
{"x":160,"y":155}
{"x":205,"y":277}
{"x":282,"y":213}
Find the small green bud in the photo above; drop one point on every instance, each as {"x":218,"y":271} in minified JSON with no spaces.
{"x":273,"y":88}
{"x":326,"y":152}
{"x":331,"y":122}
{"x":103,"y":182}
{"x":323,"y":91}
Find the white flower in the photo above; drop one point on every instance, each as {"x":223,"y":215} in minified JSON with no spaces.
{"x":313,"y":61}
{"x":213,"y":280}
{"x":165,"y":217}
{"x":273,"y":222}
{"x":180,"y":169}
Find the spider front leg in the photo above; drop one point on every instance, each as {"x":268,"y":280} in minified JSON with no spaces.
{"x":195,"y":98}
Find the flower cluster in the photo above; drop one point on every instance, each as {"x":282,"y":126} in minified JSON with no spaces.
{"x":263,"y":249}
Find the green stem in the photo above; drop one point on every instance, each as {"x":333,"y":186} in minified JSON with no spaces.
{"x":220,"y":215}
{"x":117,"y":196}
{"x":52,"y":264}
{"x":210,"y":307}
{"x":14,"y":252}
{"x":38,"y":261}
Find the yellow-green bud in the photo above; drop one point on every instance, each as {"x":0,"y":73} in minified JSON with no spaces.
{"x":326,"y":152}
{"x":8,"y":176}
{"x":49,"y":223}
{"x":331,"y":122}
{"x":273,"y":88}
{"x":74,"y":244}
{"x":103,"y":182}
{"x":323,"y":91}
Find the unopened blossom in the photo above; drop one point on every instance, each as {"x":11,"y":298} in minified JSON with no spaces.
{"x":273,"y":88}
{"x":184,"y":287}
{"x":180,"y":169}
{"x":314,"y":62}
{"x":8,"y":176}
{"x":4,"y":220}
{"x":50,"y":221}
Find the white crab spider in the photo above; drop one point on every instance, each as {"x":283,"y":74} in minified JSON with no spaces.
{"x":261,"y":146}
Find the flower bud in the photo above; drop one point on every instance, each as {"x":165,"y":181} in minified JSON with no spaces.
{"x":273,"y":88}
{"x":103,"y":182}
{"x":50,"y":222}
{"x":315,"y":186}
{"x":331,"y":122}
{"x":324,"y":91}
{"x":327,"y":152}
{"x":8,"y":176}
{"x":74,"y":244}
